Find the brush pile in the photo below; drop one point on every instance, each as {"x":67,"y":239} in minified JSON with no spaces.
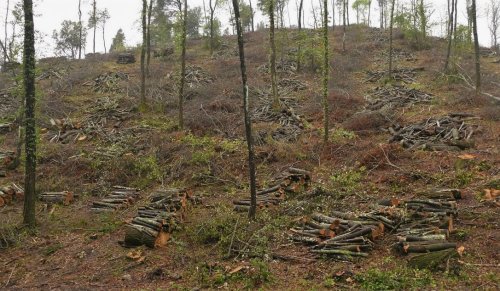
{"x":11,"y":193}
{"x":225,"y":51}
{"x":289,"y":181}
{"x":389,"y":97}
{"x":108,"y":82}
{"x":64,"y":197}
{"x":52,"y":73}
{"x":450,"y":132}
{"x":285,"y":67}
{"x":121,"y":197}
{"x":197,"y":77}
{"x":286,"y":85}
{"x":6,"y":127}
{"x":154,"y":223}
{"x":8,"y":103}
{"x":398,"y":55}
{"x":6,"y":157}
{"x":405,"y":75}
{"x":125,"y":58}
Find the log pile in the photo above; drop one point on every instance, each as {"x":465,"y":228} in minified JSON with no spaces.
{"x":6,"y":127}
{"x":389,"y":97}
{"x":125,"y":58}
{"x":10,"y":193}
{"x":290,"y":181}
{"x":154,"y":223}
{"x":450,"y":132}
{"x":405,"y":75}
{"x":121,"y":197}
{"x":64,"y":197}
{"x":107,"y":82}
{"x":197,"y":77}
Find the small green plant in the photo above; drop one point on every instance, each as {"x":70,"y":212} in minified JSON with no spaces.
{"x":347,"y":180}
{"x":52,"y":249}
{"x":259,"y":274}
{"x":399,"y":279}
{"x":463,"y":178}
{"x":329,"y":283}
{"x":342,"y":135}
{"x":147,"y":170}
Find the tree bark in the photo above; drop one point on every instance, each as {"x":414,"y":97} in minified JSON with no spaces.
{"x":143,"y":53}
{"x":476,"y":48}
{"x":450,"y":35}
{"x":252,"y":15}
{"x":29,"y":87}
{"x":326,"y":72}
{"x":390,"y":38}
{"x":248,"y":121}
{"x":94,"y":13}
{"x":212,"y":12}
{"x":274,"y":87}
{"x":183,"y":67}
{"x":148,"y":37}
{"x":6,"y":33}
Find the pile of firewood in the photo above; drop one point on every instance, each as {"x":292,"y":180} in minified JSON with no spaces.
{"x":125,"y":58}
{"x":10,"y":193}
{"x":154,"y":223}
{"x":196,"y":77}
{"x":108,"y":82}
{"x":64,"y":197}
{"x":121,"y":197}
{"x":450,"y":132}
{"x":395,"y":96}
{"x":289,"y":181}
{"x":5,"y":127}
{"x":406,"y":75}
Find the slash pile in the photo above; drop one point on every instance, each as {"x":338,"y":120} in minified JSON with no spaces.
{"x":125,"y":58}
{"x":53,"y":73}
{"x":287,"y":67}
{"x":395,"y":96}
{"x":6,"y":157}
{"x":64,"y":197}
{"x":406,"y":75}
{"x":10,"y":193}
{"x":450,"y":132}
{"x":289,"y":181}
{"x":196,"y":77}
{"x":154,"y":223}
{"x":5,"y":127}
{"x":108,"y":82}
{"x":120,"y":197}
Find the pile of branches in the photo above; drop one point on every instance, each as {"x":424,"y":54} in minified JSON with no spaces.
{"x":450,"y":132}
{"x":10,"y":193}
{"x":197,"y":77}
{"x":291,"y":124}
{"x":121,"y":197}
{"x":421,"y":226}
{"x":125,"y":58}
{"x":290,"y":181}
{"x":291,"y":85}
{"x":225,"y":51}
{"x":405,"y":75}
{"x":64,"y":197}
{"x":6,"y":157}
{"x":108,"y":82}
{"x":286,"y":67}
{"x":52,"y":73}
{"x":6,"y":127}
{"x":395,"y":96}
{"x":398,"y":55}
{"x":8,"y":102}
{"x":154,"y":223}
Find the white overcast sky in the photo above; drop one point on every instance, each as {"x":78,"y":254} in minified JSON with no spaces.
{"x":125,"y":14}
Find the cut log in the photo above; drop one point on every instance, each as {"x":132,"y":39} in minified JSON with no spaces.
{"x":340,"y":253}
{"x":432,"y":260}
{"x":64,"y":197}
{"x":425,"y":247}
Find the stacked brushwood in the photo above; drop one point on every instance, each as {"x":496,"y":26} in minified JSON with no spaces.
{"x":8,"y":102}
{"x":121,"y":197}
{"x":6,"y":157}
{"x":64,"y":197}
{"x":108,"y":82}
{"x":285,"y":67}
{"x":289,"y":181}
{"x":197,"y":77}
{"x":450,"y":132}
{"x":52,"y":73}
{"x":125,"y":58}
{"x":291,"y":84}
{"x":389,"y":97}
{"x":225,"y":51}
{"x":405,"y":75}
{"x":154,"y":223}
{"x":10,"y":193}
{"x":6,"y":127}
{"x":398,"y":55}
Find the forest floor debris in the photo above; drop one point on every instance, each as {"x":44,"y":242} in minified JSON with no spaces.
{"x":64,"y":197}
{"x":10,"y":193}
{"x":109,"y":82}
{"x":390,"y":97}
{"x":119,"y":198}
{"x":125,"y":58}
{"x":405,"y":75}
{"x":451,"y":132}
{"x":285,"y":67}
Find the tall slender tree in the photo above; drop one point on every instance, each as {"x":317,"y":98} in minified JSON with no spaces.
{"x":299,"y":48}
{"x":5,"y":31}
{"x":326,"y":71}
{"x":29,"y":88}
{"x":103,"y":19}
{"x":183,"y":66}
{"x":274,"y":85}
{"x":93,"y":22}
{"x":248,"y":121}
{"x":80,"y":31}
{"x":476,"y":47}
{"x":391,"y":25}
{"x":212,"y":5}
{"x":451,"y":20}
{"x":252,"y":15}
{"x":148,"y":37}
{"x":143,"y":52}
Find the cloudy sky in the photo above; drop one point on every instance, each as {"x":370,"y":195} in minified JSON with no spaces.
{"x":125,"y":14}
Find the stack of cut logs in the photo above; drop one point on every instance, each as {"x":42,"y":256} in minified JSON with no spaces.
{"x":10,"y":193}
{"x":121,"y":197}
{"x":154,"y":223}
{"x":64,"y":197}
{"x":395,"y":96}
{"x":421,"y":225}
{"x":406,"y":75}
{"x":125,"y":58}
{"x":449,"y":132}
{"x":5,"y":127}
{"x":289,"y":181}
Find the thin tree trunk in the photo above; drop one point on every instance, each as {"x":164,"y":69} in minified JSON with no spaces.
{"x":390,"y":38}
{"x":183,"y":67}
{"x":476,"y":48}
{"x":29,"y":87}
{"x":95,"y":22}
{"x":272,"y":64}
{"x":369,"y":12}
{"x":347,"y":8}
{"x":143,"y":53}
{"x":333,"y":14}
{"x":343,"y":24}
{"x":325,"y":72}
{"x":450,"y":36}
{"x":248,"y":121}
{"x":148,"y":37}
{"x":212,"y":12}
{"x":80,"y":29}
{"x":299,"y":48}
{"x":104,"y":37}
{"x":6,"y":33}
{"x":251,"y":15}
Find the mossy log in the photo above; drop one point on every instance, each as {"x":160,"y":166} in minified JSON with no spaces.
{"x":432,"y":260}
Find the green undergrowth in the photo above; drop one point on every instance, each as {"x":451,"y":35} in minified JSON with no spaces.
{"x":396,"y":279}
